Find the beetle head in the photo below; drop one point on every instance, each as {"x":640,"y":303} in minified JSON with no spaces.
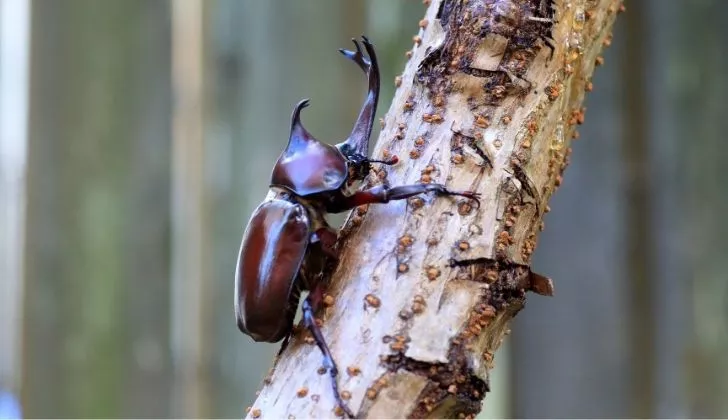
{"x":359,"y":165}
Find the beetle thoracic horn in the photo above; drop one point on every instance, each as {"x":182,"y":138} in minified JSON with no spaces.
{"x":298,"y":132}
{"x":296,"y":116}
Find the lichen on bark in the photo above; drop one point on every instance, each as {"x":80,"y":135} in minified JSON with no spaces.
{"x":488,"y":102}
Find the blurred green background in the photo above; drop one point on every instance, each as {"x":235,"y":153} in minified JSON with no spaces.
{"x":138,"y":135}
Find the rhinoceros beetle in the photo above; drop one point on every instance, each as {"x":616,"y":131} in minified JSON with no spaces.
{"x":288,"y":242}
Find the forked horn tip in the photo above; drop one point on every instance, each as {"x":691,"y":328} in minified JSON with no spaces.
{"x":303,"y":103}
{"x":295,"y":118}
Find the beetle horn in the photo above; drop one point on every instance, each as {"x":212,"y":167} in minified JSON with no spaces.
{"x":299,"y":135}
{"x":358,"y":141}
{"x":296,"y":117}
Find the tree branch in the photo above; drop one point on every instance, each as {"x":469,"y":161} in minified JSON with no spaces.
{"x":425,"y":289}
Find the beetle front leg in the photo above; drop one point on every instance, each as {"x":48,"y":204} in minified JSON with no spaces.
{"x":384,"y":194}
{"x":310,"y":322}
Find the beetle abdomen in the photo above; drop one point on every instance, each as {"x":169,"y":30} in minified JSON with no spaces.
{"x":271,"y":253}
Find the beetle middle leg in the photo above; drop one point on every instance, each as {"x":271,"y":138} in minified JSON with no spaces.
{"x":384,"y":194}
{"x":294,"y":298}
{"x":326,"y":238}
{"x":311,"y":303}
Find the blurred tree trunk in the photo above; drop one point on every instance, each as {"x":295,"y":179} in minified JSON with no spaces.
{"x":412,"y":335}
{"x":191,"y":305}
{"x":639,"y":257}
{"x":14,"y":68}
{"x":96,"y":269}
{"x":699,"y":66}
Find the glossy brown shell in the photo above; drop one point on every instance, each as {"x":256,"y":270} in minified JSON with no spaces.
{"x":270,"y":257}
{"x":308,"y":166}
{"x":314,"y":169}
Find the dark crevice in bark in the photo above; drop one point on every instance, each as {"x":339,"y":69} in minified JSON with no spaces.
{"x":454,"y":390}
{"x":454,"y":380}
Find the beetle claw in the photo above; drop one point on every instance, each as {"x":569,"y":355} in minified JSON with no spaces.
{"x":467,"y":194}
{"x":473,"y":196}
{"x":345,"y":408}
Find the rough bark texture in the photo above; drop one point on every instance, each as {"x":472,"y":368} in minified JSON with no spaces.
{"x":484,"y":104}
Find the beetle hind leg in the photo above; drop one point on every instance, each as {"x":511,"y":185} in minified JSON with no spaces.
{"x":284,"y":346}
{"x":310,"y":323}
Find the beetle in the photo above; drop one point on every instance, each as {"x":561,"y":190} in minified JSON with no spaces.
{"x":288,"y":242}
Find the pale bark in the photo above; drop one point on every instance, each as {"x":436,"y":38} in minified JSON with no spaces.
{"x":482,"y":113}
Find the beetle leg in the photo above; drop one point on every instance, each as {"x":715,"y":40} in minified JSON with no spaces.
{"x":391,"y":161}
{"x":310,"y":323}
{"x":284,"y":346}
{"x":384,"y":194}
{"x":358,"y":141}
{"x":327,"y":238}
